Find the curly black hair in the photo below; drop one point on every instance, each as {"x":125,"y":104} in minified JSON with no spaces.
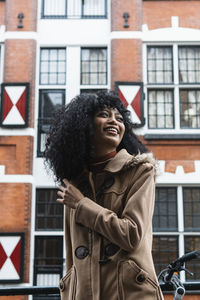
{"x":68,"y":149}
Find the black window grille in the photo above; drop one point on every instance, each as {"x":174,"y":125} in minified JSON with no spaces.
{"x":190,"y":108}
{"x":47,"y":297}
{"x":49,"y":213}
{"x":192,"y":243}
{"x":74,"y":9}
{"x":48,"y":261}
{"x":164,"y":251}
{"x":165,"y":212}
{"x":92,"y":91}
{"x":93,"y":66}
{"x":191,"y":201}
{"x":160,"y":108}
{"x":159,"y":65}
{"x":49,"y":102}
{"x":189,"y":64}
{"x":53,"y":66}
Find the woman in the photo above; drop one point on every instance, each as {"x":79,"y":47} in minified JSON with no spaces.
{"x":107,"y":188}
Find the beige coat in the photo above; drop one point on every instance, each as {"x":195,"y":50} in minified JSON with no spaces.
{"x":109,"y":235}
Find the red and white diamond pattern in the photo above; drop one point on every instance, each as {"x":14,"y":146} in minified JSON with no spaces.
{"x":10,"y":252}
{"x":130,"y":95}
{"x":14,"y":106}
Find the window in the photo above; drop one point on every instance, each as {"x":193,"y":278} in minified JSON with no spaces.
{"x":74,"y":9}
{"x":176,"y":224}
{"x":160,"y":62}
{"x":49,"y":213}
{"x":48,"y":247}
{"x":54,"y":8}
{"x":49,"y":102}
{"x":52,"y":66}
{"x":93,"y":66}
{"x":161,"y":108}
{"x":48,"y":263}
{"x":173,"y":85}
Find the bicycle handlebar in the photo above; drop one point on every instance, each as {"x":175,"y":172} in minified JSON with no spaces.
{"x":186,"y":257}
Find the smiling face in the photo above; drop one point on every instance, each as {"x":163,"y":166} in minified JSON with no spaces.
{"x":108,"y":131}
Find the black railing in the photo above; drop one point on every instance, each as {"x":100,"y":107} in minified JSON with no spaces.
{"x":193,"y":288}
{"x":74,"y":9}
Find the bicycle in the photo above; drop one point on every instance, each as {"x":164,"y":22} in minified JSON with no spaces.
{"x":167,"y":275}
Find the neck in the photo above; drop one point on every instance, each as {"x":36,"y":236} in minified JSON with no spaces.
{"x":104,"y":156}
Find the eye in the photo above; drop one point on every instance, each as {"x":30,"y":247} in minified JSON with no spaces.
{"x":120,"y":119}
{"x":102,"y":114}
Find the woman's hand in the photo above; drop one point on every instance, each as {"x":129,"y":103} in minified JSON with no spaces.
{"x":69,"y":195}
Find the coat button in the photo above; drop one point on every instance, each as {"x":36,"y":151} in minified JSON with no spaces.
{"x":141,"y":278}
{"x":111,"y":249}
{"x":61,"y":286}
{"x":81,"y":252}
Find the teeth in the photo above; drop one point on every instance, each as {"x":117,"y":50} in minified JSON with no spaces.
{"x":112,"y":129}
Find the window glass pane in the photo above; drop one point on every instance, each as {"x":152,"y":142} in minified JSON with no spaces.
{"x":52,"y":66}
{"x":189,"y":64}
{"x":159,"y":65}
{"x":49,"y":102}
{"x":48,"y":211}
{"x":54,"y":7}
{"x":94,"y":8}
{"x":160,"y":109}
{"x":190,"y":108}
{"x":192,"y":243}
{"x":48,"y":260}
{"x":94,"y":66}
{"x":191,"y":201}
{"x":165,"y":212}
{"x":165,"y":250}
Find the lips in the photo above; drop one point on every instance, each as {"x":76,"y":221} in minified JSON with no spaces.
{"x":112,"y":130}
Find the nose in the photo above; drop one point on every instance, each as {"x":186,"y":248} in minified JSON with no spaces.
{"x":112,"y":119}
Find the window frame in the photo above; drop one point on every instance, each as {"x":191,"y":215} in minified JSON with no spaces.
{"x":40,"y":62}
{"x":48,"y":270}
{"x":39,"y":130}
{"x":148,"y":108}
{"x":181,"y":233}
{"x":81,"y":16}
{"x":176,"y":86}
{"x":45,"y":215}
{"x":92,"y":86}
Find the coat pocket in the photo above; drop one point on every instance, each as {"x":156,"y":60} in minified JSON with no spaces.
{"x":134,"y":283}
{"x":67,"y":285}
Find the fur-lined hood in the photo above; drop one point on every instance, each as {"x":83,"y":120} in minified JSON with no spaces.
{"x":123,"y":161}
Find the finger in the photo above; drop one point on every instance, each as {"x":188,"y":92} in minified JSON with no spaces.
{"x":59,"y":193}
{"x":59,"y":201}
{"x":62,"y":188}
{"x":66,"y":182}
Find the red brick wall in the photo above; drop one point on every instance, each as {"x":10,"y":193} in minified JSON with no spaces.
{"x":118,"y":8}
{"x":16,"y":154}
{"x":19,"y":66}
{"x":126,"y":60}
{"x":186,"y":297}
{"x":16,"y":214}
{"x":28,"y":8}
{"x":175,"y":153}
{"x":2,"y":13}
{"x":157,"y":14}
{"x":13,"y":297}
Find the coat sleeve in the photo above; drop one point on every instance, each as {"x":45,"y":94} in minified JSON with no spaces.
{"x":127,"y":231}
{"x":68,"y":245}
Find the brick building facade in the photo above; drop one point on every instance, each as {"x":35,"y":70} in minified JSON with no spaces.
{"x":49,"y":54}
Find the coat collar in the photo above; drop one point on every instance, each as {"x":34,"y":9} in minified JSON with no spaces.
{"x":123,"y":160}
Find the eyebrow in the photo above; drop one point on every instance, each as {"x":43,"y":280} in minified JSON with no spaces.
{"x":108,"y":110}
